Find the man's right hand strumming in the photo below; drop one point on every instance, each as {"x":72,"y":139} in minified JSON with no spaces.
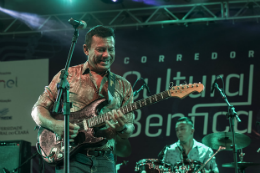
{"x":58,"y":129}
{"x":43,"y":118}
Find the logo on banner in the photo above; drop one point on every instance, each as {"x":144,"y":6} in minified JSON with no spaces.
{"x":3,"y":113}
{"x":9,"y":83}
{"x":238,"y":86}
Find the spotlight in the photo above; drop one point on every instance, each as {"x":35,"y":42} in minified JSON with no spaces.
{"x":112,"y":1}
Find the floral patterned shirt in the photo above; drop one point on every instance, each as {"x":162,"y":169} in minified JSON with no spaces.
{"x":83,"y":91}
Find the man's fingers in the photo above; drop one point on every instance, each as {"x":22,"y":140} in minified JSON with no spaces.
{"x":110,"y":124}
{"x":73,"y":136}
{"x":74,"y":127}
{"x":120,"y":113}
{"x":112,"y":115}
{"x":73,"y":132}
{"x":121,"y":122}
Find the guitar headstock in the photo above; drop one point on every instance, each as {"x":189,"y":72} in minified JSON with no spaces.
{"x":182,"y":91}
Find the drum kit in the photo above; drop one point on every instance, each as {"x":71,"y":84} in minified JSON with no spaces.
{"x":157,"y":166}
{"x":214,"y":141}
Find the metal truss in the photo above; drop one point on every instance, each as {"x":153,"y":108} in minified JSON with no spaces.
{"x":137,"y":17}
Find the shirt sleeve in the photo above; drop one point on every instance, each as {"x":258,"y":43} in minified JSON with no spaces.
{"x":212,"y":165}
{"x":48,"y":97}
{"x":164,"y":159}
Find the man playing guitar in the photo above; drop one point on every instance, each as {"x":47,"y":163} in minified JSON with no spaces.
{"x":89,"y":82}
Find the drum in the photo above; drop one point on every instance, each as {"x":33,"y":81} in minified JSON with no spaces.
{"x":188,"y":167}
{"x":152,"y":166}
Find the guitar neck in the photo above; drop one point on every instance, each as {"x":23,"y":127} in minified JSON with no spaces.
{"x":180,"y":91}
{"x":100,"y":119}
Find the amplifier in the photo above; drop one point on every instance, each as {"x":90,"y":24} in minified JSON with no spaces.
{"x":13,"y":154}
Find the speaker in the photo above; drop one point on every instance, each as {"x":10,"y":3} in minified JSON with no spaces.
{"x":13,"y":154}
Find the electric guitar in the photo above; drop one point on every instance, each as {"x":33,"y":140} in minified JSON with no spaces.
{"x":51,"y":146}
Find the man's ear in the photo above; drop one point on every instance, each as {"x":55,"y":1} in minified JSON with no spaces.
{"x":192,"y":130}
{"x":85,"y":49}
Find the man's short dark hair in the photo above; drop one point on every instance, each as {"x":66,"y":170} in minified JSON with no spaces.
{"x":186,"y":119}
{"x":99,"y":31}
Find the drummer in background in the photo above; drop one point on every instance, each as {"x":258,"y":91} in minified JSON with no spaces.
{"x":194,"y":151}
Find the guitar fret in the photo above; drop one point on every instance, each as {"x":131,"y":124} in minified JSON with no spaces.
{"x":90,"y":122}
{"x":152,"y":98}
{"x":136,"y":107}
{"x":123,"y":110}
{"x":130,"y":108}
{"x":106,"y":116}
{"x":101,"y":118}
{"x":94,"y":121}
{"x":139,"y":102}
{"x":161,"y":95}
{"x":97,"y":120}
{"x":147,"y":101}
{"x":85,"y":125}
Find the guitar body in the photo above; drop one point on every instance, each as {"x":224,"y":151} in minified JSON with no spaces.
{"x":52,"y":147}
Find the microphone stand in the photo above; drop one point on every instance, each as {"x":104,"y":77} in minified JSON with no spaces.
{"x":231,"y":115}
{"x":63,"y":91}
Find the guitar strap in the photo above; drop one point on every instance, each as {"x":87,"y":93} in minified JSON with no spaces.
{"x":111,"y":86}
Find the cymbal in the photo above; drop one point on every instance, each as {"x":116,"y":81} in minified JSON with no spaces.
{"x":224,"y":139}
{"x":241,"y":165}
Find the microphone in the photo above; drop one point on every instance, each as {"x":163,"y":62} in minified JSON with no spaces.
{"x":213,"y":86}
{"x":78,"y":24}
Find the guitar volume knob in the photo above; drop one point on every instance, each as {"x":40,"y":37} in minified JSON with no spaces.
{"x":59,"y":155}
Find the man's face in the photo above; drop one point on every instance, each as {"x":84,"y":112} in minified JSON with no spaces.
{"x":184,"y":131}
{"x":101,"y":54}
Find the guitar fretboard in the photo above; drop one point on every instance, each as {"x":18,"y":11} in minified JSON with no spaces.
{"x":100,"y":119}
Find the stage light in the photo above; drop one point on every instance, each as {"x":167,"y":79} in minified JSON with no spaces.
{"x":112,"y":1}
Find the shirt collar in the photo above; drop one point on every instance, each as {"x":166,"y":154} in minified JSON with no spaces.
{"x":85,"y":68}
{"x":195,"y":144}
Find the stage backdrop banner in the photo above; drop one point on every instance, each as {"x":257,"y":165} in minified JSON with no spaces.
{"x":21,"y":82}
{"x":198,"y":53}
